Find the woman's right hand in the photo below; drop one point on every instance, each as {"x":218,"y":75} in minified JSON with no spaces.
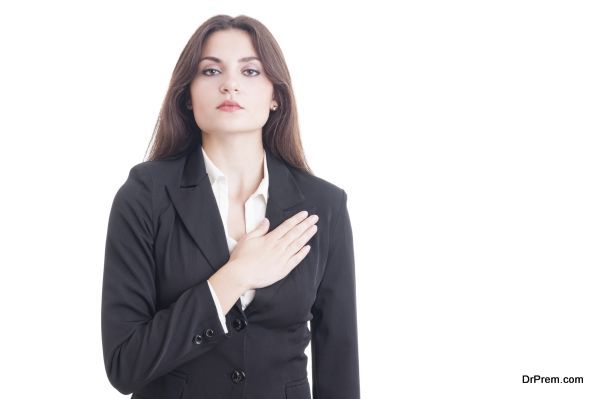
{"x":262,"y":259}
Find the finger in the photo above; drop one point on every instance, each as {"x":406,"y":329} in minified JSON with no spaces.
{"x":260,"y":230}
{"x":297,"y":244}
{"x":287,"y":225}
{"x":301,"y":228}
{"x":297,"y":257}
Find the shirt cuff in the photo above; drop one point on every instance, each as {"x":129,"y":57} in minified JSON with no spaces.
{"x":218,"y":306}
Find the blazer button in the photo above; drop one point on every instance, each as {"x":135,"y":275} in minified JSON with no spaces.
{"x":209,"y":333}
{"x":238,"y":376}
{"x":239,"y":324}
{"x":197,"y":339}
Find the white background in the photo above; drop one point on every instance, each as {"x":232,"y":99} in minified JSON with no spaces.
{"x":465,"y":133}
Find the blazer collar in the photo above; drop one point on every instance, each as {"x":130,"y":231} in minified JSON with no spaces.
{"x":194,"y":200}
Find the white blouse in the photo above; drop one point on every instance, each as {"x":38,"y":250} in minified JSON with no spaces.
{"x":255,"y":208}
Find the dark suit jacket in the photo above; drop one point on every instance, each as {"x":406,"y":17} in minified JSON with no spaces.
{"x":161,"y":334}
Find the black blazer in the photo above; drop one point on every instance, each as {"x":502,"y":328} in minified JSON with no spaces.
{"x":161,"y":333}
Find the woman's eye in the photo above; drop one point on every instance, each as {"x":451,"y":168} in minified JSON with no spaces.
{"x":254,"y":71}
{"x":257,"y":73}
{"x":208,"y":69}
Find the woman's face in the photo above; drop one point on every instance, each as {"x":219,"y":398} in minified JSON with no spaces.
{"x":224,"y":74}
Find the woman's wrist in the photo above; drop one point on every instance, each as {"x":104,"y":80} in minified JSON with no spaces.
{"x":235,"y":272}
{"x":228,"y":285}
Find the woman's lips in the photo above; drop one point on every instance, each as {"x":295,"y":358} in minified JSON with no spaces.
{"x":229,"y":108}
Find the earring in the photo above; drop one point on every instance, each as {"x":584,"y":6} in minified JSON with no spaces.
{"x":274,"y":107}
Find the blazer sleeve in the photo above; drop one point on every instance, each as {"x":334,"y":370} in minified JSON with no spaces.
{"x":140,"y":342}
{"x":334,"y":343}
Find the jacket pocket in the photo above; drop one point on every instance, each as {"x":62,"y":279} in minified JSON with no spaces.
{"x":298,"y":389}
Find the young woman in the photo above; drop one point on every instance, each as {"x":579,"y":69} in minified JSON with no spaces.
{"x":214,"y":264}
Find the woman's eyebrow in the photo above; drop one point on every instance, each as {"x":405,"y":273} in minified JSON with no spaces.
{"x":215,"y":59}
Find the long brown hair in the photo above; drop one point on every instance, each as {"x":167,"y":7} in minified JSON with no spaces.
{"x":176,"y":130}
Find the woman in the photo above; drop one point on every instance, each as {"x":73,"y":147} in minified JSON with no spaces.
{"x":202,"y":296}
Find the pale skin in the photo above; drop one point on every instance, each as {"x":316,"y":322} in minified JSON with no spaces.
{"x":233,"y":141}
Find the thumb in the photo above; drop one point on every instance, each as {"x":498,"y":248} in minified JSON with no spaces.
{"x":261,"y":229}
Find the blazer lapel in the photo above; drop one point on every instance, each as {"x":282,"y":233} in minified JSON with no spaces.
{"x":196,"y":204}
